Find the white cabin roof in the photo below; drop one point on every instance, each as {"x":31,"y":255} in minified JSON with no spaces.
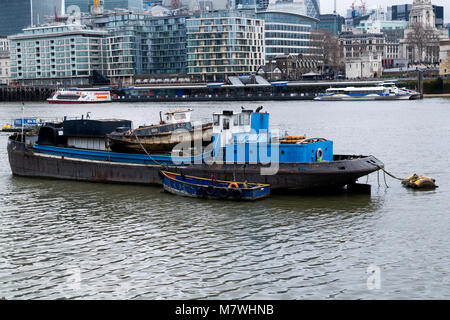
{"x":358,"y":89}
{"x":179,"y":111}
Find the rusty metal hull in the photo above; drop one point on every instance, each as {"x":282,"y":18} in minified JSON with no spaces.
{"x":298,"y":176}
{"x":159,"y":142}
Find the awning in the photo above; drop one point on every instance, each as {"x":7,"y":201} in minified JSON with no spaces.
{"x":215,"y":84}
{"x":281,"y":83}
{"x":311,"y":74}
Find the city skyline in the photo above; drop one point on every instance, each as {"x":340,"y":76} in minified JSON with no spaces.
{"x":327,"y":6}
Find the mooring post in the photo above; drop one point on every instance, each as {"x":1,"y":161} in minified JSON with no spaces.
{"x":420,"y":83}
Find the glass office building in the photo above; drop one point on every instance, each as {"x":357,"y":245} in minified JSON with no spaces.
{"x":332,"y":22}
{"x":167,"y":45}
{"x":309,"y":8}
{"x":141,"y":44}
{"x":18,"y":14}
{"x":127,"y":44}
{"x":288,"y":33}
{"x":224,"y":43}
{"x":57,"y":55}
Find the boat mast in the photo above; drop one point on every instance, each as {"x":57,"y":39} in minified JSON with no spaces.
{"x":23,"y":106}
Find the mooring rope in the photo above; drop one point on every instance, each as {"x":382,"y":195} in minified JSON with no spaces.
{"x":143,"y":148}
{"x":389,"y":174}
{"x":384,"y":176}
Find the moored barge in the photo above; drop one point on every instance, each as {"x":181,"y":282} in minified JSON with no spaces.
{"x":243,"y":149}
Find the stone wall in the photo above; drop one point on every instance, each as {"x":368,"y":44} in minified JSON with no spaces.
{"x":444,"y":58}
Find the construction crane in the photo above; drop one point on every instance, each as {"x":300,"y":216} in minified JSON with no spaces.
{"x":362,"y":6}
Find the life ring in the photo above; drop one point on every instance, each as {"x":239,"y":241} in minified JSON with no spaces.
{"x":233,"y":185}
{"x":319,"y":155}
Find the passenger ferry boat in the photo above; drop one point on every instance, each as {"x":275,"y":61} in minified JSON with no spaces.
{"x":76,"y":96}
{"x":382,"y":91}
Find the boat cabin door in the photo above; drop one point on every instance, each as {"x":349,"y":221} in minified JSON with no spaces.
{"x":222,"y":126}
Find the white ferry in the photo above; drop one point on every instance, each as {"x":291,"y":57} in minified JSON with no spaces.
{"x":72,"y":96}
{"x":381,"y":91}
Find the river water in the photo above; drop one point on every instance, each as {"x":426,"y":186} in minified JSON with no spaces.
{"x":76,"y":240}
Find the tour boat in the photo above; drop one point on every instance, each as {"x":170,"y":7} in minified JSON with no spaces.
{"x":381,"y":91}
{"x":76,"y":96}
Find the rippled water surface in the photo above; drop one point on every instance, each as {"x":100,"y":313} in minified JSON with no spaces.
{"x":76,"y":240}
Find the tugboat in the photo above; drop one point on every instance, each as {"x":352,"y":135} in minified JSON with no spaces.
{"x":159,"y":137}
{"x":242,"y":149}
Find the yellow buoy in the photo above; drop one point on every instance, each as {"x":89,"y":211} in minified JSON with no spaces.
{"x":419,"y":182}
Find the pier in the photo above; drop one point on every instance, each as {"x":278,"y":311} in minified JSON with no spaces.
{"x":279,"y":91}
{"x":25,"y":93}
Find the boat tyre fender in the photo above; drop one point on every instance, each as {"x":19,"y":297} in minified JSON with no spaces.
{"x":201,"y":192}
{"x":319,"y":155}
{"x":233,"y":185}
{"x":210,"y":190}
{"x":236,"y":194}
{"x":161,"y":175}
{"x":223,"y":193}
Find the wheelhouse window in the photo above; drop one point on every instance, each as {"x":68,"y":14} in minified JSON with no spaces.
{"x":216,"y":120}
{"x":244,"y":119}
{"x":68,"y":97}
{"x":226,"y":124}
{"x":180,"y":116}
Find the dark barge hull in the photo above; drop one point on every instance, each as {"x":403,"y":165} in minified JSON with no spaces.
{"x":215,"y":98}
{"x":297,"y":176}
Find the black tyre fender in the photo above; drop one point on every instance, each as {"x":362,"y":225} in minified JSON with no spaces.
{"x":201,"y":192}
{"x":223,"y":193}
{"x":210,"y":190}
{"x":236,"y":194}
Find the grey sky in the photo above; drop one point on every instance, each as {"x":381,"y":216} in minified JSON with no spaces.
{"x":327,"y":6}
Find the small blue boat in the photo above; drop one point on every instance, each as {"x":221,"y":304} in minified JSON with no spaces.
{"x":203,"y":188}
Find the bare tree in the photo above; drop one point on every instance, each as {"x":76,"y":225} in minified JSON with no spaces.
{"x":331,"y":50}
{"x":424,"y":43}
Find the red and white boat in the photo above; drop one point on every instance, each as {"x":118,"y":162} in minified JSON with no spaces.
{"x":69,"y":96}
